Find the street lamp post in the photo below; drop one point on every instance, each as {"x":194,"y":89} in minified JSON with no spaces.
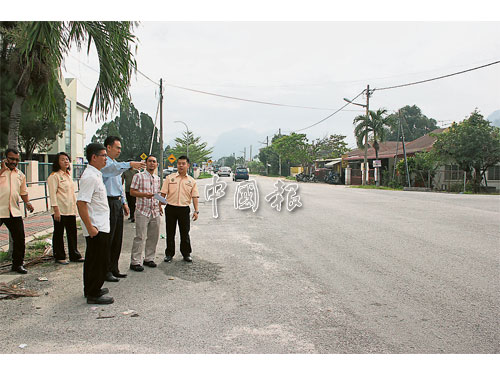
{"x":187,"y":141}
{"x":365,"y":174}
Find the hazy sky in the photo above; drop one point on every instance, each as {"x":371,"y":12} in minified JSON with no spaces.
{"x":313,"y":64}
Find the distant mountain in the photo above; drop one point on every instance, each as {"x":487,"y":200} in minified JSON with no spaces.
{"x":495,"y":118}
{"x":235,"y":140}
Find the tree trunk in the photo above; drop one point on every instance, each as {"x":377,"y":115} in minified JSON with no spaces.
{"x":14,"y":120}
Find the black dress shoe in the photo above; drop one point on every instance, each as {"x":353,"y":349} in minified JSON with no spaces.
{"x":102,"y":300}
{"x":81,"y":260}
{"x":119,"y":275}
{"x":188,"y":259}
{"x":168,"y":259}
{"x":150,"y":264}
{"x":102,"y":292}
{"x":19,"y":269}
{"x":136,"y":267}
{"x":110,"y":277}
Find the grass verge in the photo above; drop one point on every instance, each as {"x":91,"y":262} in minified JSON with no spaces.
{"x":374,"y":187}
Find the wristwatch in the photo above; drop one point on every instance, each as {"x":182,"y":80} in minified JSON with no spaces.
{"x":197,"y":212}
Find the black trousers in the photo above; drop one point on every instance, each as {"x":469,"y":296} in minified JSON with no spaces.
{"x":115,"y":234}
{"x":174,"y":215}
{"x":68,"y":222}
{"x":16,"y":228}
{"x":131,"y":204}
{"x":94,"y":267}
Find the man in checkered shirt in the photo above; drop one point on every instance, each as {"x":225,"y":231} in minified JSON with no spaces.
{"x":147,"y":215}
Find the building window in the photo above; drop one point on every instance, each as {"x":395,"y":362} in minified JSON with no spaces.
{"x":494,"y":173}
{"x":452,"y":173}
{"x":67,"y":132}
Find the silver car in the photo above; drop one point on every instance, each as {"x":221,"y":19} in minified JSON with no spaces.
{"x":224,"y":171}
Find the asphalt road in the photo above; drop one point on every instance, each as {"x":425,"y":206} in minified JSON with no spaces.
{"x":351,"y":271}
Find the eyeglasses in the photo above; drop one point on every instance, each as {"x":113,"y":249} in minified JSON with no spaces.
{"x":13,"y":159}
{"x":103,"y":155}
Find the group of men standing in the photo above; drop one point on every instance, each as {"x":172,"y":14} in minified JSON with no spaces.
{"x":102,"y":204}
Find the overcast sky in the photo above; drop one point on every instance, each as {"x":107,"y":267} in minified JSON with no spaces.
{"x":311,"y":64}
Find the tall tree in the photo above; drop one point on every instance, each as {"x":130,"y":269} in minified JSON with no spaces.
{"x":415,"y":124}
{"x":36,"y":50}
{"x":473,"y":145}
{"x":375,"y":125}
{"x":39,"y":131}
{"x":135,"y":130}
{"x":294,"y":148}
{"x":332,"y":146}
{"x":198,"y":151}
{"x":106,"y":129}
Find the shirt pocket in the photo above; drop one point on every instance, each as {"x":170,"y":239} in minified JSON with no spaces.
{"x":173,"y":187}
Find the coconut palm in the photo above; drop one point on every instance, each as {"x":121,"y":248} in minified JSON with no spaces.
{"x":373,"y":126}
{"x":38,"y":48}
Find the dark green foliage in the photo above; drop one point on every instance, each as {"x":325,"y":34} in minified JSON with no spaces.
{"x":473,"y":145}
{"x":414,"y":123}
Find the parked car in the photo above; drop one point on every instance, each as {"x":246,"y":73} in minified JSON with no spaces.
{"x":168,"y":171}
{"x":224,"y":171}
{"x":241,"y":173}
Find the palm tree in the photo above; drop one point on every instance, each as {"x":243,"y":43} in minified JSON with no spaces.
{"x":373,"y":126}
{"x":37,"y":50}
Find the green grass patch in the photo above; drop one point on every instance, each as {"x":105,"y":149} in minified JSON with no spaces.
{"x":3,"y":256}
{"x":374,"y":187}
{"x":204,"y":175}
{"x":37,"y":245}
{"x":291,"y":178}
{"x":41,"y":238}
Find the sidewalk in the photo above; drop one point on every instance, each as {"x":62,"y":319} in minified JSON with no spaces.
{"x":37,"y":224}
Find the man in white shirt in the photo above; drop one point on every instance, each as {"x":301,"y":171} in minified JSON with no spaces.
{"x":93,"y":208}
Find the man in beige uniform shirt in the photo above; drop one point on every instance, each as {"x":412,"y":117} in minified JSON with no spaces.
{"x":13,"y":186}
{"x":179,"y":188}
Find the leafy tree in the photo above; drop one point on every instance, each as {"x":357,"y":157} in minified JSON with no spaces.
{"x":34,"y":50}
{"x":268,"y":155}
{"x":107,"y":129}
{"x":135,"y":130}
{"x":294,"y":148}
{"x":473,"y":144}
{"x":332,"y":146}
{"x":256,"y":166}
{"x":422,"y":167}
{"x":37,"y":130}
{"x":228,"y":161}
{"x":414,"y":124}
{"x":197,"y":152}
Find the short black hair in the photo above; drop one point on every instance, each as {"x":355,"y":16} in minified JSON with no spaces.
{"x":151,"y":156}
{"x":13,"y":150}
{"x":93,"y":149}
{"x":184,"y":157}
{"x":110,"y":140}
{"x":55,"y":165}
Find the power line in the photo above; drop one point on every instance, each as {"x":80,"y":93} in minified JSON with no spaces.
{"x":215,"y":94}
{"x":246,"y":100}
{"x":436,"y":78}
{"x":337,"y":111}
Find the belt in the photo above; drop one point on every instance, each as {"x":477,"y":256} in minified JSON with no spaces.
{"x":113,"y":198}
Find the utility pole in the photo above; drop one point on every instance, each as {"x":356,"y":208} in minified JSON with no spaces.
{"x":279,"y":156}
{"x":250,"y":152}
{"x":404,"y":149}
{"x":161,"y":132}
{"x":365,"y":176}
